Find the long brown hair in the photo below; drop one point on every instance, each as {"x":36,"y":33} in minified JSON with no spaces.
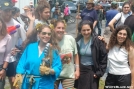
{"x":3,"y":31}
{"x":33,"y":37}
{"x":113,"y":39}
{"x":40,"y":8}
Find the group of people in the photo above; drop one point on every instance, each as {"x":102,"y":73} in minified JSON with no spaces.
{"x":50,"y":57}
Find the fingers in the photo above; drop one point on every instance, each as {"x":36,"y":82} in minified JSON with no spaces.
{"x":15,"y":82}
{"x":14,"y":51}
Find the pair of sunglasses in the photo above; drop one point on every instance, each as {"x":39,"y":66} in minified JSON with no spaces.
{"x":45,"y":33}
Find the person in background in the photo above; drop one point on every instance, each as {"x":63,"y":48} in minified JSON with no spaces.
{"x":110,"y":14}
{"x":42,"y":14}
{"x":89,"y":13}
{"x":43,"y":65}
{"x":100,"y":16}
{"x":129,"y":21}
{"x":55,"y":12}
{"x":24,"y":16}
{"x":66,"y":13}
{"x":120,"y":59}
{"x":92,"y":55}
{"x":5,"y":49}
{"x":69,"y":56}
{"x":16,"y":13}
{"x":120,"y":18}
{"x":6,"y":14}
{"x":32,"y":6}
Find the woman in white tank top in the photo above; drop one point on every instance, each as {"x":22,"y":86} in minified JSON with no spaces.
{"x":120,"y":60}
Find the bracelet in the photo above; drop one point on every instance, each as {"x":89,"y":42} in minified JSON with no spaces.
{"x":76,"y":65}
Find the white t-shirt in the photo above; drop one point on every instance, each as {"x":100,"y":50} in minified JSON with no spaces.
{"x":20,"y":33}
{"x":118,"y":61}
{"x":123,"y":18}
{"x":67,"y":46}
{"x":39,"y":21}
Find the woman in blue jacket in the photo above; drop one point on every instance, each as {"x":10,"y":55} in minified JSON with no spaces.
{"x":40,"y":63}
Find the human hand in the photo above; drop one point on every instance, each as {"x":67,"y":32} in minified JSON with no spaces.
{"x":30,"y":16}
{"x":18,"y":80}
{"x":14,"y":51}
{"x":44,"y":70}
{"x":2,"y":74}
{"x":77,"y":74}
{"x":102,"y":39}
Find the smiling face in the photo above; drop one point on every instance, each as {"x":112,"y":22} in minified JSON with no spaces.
{"x":86,"y":31}
{"x":121,"y":36}
{"x":45,"y":35}
{"x":59,"y":30}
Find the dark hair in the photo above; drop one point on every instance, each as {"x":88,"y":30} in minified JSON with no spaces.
{"x":33,"y":37}
{"x":4,"y":28}
{"x":40,"y":8}
{"x":15,"y":10}
{"x":132,"y":7}
{"x":114,"y":6}
{"x":125,"y":3}
{"x":85,"y":22}
{"x":113,"y":39}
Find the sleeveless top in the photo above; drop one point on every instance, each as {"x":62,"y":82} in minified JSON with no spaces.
{"x":118,"y":61}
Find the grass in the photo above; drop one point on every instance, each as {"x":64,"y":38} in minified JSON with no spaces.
{"x":101,"y":84}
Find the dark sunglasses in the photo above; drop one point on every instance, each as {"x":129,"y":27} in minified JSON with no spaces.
{"x":45,"y":33}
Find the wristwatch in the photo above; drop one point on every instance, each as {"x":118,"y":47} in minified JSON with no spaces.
{"x":4,"y":69}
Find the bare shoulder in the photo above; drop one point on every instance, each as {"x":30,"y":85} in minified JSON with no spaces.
{"x":131,"y":52}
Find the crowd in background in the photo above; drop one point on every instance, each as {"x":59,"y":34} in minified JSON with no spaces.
{"x":41,"y":55}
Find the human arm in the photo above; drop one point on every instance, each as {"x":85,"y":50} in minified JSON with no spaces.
{"x":31,"y":24}
{"x":76,"y":59}
{"x":56,"y":65}
{"x":131,"y":62}
{"x":95,"y":19}
{"x":6,"y":57}
{"x":111,"y":24}
{"x":20,"y":70}
{"x":94,"y":24}
{"x":77,"y":69}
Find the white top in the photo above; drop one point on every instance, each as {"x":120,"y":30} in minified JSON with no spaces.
{"x":5,"y":48}
{"x":123,"y":18}
{"x":118,"y":61}
{"x":20,"y":33}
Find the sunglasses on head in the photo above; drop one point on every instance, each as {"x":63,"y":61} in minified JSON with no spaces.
{"x":45,"y":33}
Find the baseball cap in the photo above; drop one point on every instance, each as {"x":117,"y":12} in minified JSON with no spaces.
{"x":4,"y":5}
{"x":114,"y":3}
